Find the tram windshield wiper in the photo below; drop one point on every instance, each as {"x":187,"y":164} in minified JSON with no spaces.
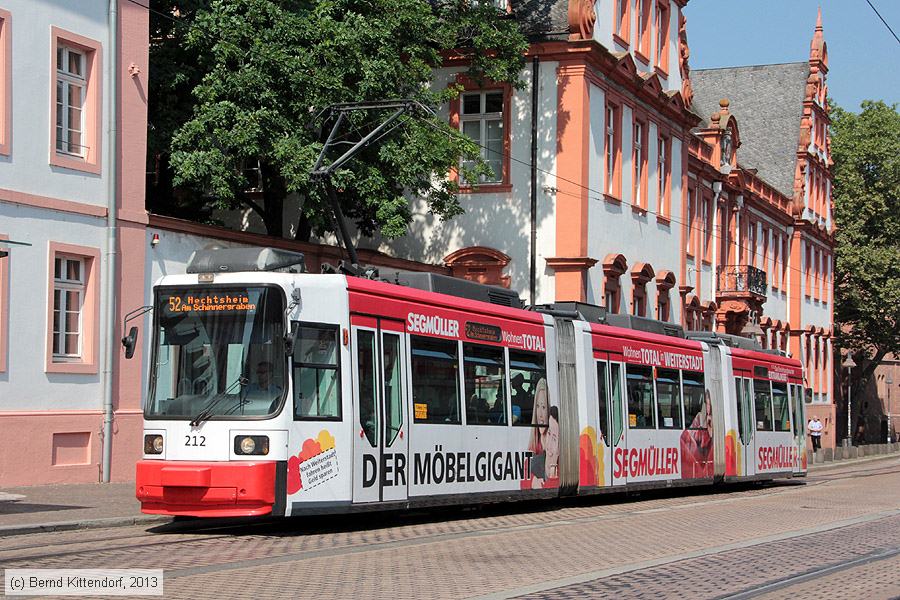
{"x":206,"y":412}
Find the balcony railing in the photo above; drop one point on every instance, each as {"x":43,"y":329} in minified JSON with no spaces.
{"x":741,"y":278}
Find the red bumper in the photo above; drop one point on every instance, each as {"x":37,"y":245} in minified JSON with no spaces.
{"x":197,"y":489}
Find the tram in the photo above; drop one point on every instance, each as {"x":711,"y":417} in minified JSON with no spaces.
{"x":277,"y":392}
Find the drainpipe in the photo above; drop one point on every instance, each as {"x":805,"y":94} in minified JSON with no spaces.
{"x":109,"y":304}
{"x":535,"y":70}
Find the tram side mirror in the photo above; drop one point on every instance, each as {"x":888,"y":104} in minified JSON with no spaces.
{"x":130,"y":342}
{"x":290,"y":340}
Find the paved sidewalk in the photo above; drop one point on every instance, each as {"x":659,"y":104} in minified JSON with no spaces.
{"x":74,"y":506}
{"x":38,"y":509}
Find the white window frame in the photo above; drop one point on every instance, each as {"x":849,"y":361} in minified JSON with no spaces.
{"x":65,"y":80}
{"x":610,"y":149}
{"x":661,"y":166}
{"x":63,"y":285}
{"x":638,"y":161}
{"x":639,"y":16}
{"x":483,"y":118}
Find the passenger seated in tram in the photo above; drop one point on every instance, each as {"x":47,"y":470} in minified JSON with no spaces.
{"x":636,"y":409}
{"x":521,"y":398}
{"x":477,"y":410}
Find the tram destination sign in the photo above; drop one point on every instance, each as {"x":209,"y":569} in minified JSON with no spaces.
{"x":483,"y":332}
{"x":218,"y":302}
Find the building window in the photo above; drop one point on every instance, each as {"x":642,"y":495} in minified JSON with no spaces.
{"x":70,"y":88}
{"x":623,"y":22}
{"x":665,"y":281}
{"x":662,"y":306}
{"x":642,"y":31}
{"x":752,"y":244}
{"x":5,"y":83}
{"x":613,"y":151}
{"x":709,"y":227}
{"x":482,"y":120}
{"x":68,"y":301}
{"x":641,"y":273}
{"x":75,"y":135}
{"x":663,"y":167}
{"x":639,"y":304}
{"x":662,"y":37}
{"x":639,"y":160}
{"x":614,"y":266}
{"x":73,"y":311}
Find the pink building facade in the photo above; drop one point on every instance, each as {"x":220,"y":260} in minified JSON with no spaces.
{"x":73,"y":120}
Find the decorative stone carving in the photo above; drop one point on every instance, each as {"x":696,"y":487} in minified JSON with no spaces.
{"x":687,"y":91}
{"x":581,"y":20}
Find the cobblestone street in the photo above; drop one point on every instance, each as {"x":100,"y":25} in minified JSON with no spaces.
{"x":836,"y":536}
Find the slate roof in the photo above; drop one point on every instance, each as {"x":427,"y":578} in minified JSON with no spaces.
{"x":767,"y":101}
{"x":543,"y":19}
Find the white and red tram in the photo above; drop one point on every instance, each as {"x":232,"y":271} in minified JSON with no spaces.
{"x":284,"y":393}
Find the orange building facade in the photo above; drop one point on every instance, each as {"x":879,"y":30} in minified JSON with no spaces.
{"x":624,"y":178}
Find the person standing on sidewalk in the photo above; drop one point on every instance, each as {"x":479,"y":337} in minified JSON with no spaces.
{"x":815,"y":432}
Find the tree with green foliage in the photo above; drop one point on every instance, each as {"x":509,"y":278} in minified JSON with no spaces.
{"x":258,"y":72}
{"x":865,"y":148}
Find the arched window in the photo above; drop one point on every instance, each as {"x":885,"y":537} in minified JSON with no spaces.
{"x":640,"y":275}
{"x":665,"y":281}
{"x":614,"y":265}
{"x":691,"y":312}
{"x":479,"y":263}
{"x":709,"y":315}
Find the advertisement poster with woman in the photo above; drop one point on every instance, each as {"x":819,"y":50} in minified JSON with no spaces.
{"x":544,"y":441}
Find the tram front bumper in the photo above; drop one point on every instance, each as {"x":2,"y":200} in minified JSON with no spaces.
{"x":205,"y":489}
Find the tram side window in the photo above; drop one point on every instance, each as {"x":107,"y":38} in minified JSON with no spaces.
{"x":695,"y":407}
{"x":317,"y":383}
{"x":484,"y":373}
{"x":742,"y":425}
{"x":435,"y":373}
{"x":762,"y":400}
{"x":368,"y":415}
{"x":602,"y":400}
{"x":528,"y":377}
{"x":615,"y":384}
{"x":780,"y":401}
{"x":640,"y":397}
{"x":668,"y":398}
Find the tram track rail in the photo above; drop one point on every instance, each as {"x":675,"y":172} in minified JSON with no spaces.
{"x":203,"y":535}
{"x":815,"y":574}
{"x":471,"y":523}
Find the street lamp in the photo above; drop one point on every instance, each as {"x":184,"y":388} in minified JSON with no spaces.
{"x":889,"y":380}
{"x":849,"y":364}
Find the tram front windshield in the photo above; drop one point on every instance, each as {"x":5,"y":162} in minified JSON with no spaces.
{"x":219,"y":353}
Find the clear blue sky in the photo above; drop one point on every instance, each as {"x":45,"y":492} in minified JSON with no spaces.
{"x":863,"y":56}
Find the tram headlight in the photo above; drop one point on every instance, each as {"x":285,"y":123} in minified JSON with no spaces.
{"x":153,"y":444}
{"x":251,"y":444}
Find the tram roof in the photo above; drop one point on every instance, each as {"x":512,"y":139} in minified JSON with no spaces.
{"x":393,"y":291}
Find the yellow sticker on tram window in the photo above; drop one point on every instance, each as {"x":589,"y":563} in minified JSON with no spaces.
{"x":632,"y":420}
{"x":421,"y":410}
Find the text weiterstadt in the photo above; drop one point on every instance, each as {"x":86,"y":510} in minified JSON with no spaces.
{"x":645,"y":462}
{"x":662,"y":358}
{"x":446,"y":327}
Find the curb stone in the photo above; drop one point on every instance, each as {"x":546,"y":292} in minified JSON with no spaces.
{"x":11,"y":530}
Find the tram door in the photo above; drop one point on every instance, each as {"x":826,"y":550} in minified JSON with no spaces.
{"x":746,"y":421}
{"x":798,"y":420}
{"x":617,"y":432}
{"x":380,"y":457}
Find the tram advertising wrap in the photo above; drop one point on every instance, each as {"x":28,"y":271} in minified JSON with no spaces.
{"x":296,"y":394}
